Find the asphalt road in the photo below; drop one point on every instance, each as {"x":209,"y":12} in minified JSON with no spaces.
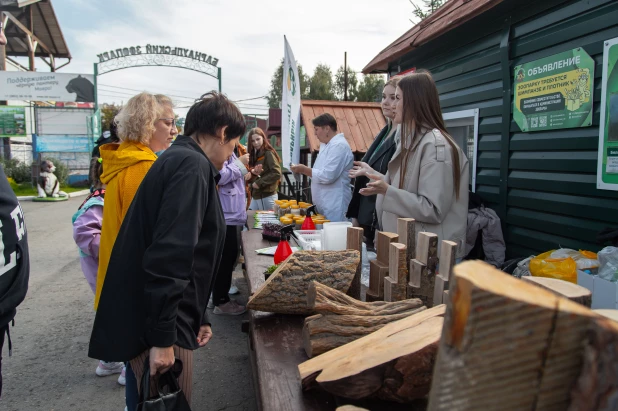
{"x":50,"y":370}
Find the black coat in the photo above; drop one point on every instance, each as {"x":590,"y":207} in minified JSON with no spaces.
{"x":14,"y":260}
{"x":164,"y":260}
{"x":362,"y":207}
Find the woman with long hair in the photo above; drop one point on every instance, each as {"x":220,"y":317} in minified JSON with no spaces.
{"x":263,"y":186}
{"x":362,"y":208}
{"x":428,"y":176}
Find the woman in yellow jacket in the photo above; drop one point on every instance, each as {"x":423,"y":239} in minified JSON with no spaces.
{"x":146,"y":125}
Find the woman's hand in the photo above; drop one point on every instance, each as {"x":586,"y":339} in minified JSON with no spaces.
{"x":360,"y":169}
{"x":257,"y":170}
{"x":161,"y":360}
{"x":244,"y":159}
{"x":376,"y":186}
{"x":355,"y":222}
{"x":254,"y":185}
{"x":204,"y":335}
{"x":248,"y":176}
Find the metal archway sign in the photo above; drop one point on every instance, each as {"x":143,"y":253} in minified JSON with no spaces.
{"x":153,"y":56}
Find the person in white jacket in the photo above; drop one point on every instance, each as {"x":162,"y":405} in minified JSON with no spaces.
{"x":330,"y":185}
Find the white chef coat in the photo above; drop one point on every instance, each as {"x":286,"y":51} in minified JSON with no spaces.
{"x":330,"y":185}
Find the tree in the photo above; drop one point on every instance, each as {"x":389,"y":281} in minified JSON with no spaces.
{"x":321,"y":85}
{"x":276,"y":86}
{"x":108,"y":112}
{"x":340,"y":84}
{"x":429,"y":6}
{"x":370,"y":89}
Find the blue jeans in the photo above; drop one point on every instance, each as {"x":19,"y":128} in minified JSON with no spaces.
{"x":131,"y":393}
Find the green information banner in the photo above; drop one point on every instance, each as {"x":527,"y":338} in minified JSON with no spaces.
{"x":12,"y":121}
{"x":554,"y":92}
{"x":607,"y":171}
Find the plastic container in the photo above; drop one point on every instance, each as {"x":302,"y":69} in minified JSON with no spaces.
{"x":284,"y":208}
{"x":335,"y":235}
{"x":295,"y":210}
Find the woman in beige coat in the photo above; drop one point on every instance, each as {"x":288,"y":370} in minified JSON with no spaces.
{"x":428,"y":176}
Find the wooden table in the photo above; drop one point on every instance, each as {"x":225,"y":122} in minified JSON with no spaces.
{"x":276,"y":349}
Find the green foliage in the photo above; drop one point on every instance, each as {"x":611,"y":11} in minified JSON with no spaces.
{"x":18,"y":171}
{"x":428,"y":7}
{"x":62,"y":170}
{"x":370,"y":88}
{"x":321,"y":84}
{"x":276,"y":86}
{"x":340,"y":84}
{"x":13,"y":184}
{"x":108,"y":112}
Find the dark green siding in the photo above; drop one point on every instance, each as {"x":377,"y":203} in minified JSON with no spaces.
{"x":542,"y":184}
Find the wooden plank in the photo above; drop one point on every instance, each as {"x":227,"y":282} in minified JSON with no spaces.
{"x":418,"y":272}
{"x":357,"y":134}
{"x":394,"y":292}
{"x":395,"y":285}
{"x":448,"y":252}
{"x":308,"y":115}
{"x":406,"y":229}
{"x":424,"y":268}
{"x":342,"y":125}
{"x":426,"y":247}
{"x":377,"y":272}
{"x":372,"y":122}
{"x":355,"y":242}
{"x":383,"y":243}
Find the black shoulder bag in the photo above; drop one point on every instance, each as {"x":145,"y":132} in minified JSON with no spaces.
{"x":170,"y":399}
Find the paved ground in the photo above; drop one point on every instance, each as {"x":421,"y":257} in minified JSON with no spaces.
{"x":49,"y":369}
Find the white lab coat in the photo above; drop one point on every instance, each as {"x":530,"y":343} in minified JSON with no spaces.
{"x":330,"y":185}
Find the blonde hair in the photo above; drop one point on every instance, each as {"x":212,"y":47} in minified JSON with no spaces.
{"x":137,"y":118}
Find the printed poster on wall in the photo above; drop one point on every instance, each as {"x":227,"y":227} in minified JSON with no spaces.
{"x":12,"y":121}
{"x":607,"y":166}
{"x":554,"y":92}
{"x":35,"y":86}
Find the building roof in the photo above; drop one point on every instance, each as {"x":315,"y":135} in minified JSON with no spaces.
{"x":452,"y":14}
{"x":359,"y":122}
{"x":46,"y":29}
{"x":274,"y":122}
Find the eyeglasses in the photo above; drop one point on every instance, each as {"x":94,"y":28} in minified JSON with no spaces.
{"x":173,"y":120}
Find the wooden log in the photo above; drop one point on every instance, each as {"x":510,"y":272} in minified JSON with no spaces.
{"x":355,"y":242}
{"x":422,"y":282}
{"x":377,"y":272}
{"x":395,"y":284}
{"x":285,"y":291}
{"x":608,"y":313}
{"x":562,"y":288}
{"x":392,"y":364}
{"x":350,"y":408}
{"x":448,"y":252}
{"x":597,"y":386}
{"x":427,"y":249}
{"x":384,"y":241}
{"x":506,"y":344}
{"x":406,"y":230}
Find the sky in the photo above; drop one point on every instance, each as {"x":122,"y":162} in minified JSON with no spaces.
{"x":245,"y":35}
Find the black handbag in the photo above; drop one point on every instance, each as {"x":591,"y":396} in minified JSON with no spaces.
{"x":170,"y":399}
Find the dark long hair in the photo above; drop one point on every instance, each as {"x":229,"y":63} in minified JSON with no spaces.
{"x":266,"y":146}
{"x":422,"y":112}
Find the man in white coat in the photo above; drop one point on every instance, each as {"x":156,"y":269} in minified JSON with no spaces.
{"x":330,"y":185}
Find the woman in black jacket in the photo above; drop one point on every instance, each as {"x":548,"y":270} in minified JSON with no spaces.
{"x":362,"y":208}
{"x":162,"y":267}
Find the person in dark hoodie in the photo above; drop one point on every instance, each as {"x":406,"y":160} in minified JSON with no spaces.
{"x":14,"y":262}
{"x":162,"y":267}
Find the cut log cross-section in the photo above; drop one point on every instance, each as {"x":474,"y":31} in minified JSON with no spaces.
{"x":395,"y":285}
{"x":507,"y":344}
{"x":342,"y":319}
{"x":423,"y":269}
{"x":355,"y":242}
{"x":392,"y":364}
{"x":565,"y":289}
{"x":448,"y":251}
{"x":285,"y":291}
{"x":384,"y":241}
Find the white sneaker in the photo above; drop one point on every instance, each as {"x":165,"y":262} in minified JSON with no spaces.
{"x":108,"y":368}
{"x":122,"y":378}
{"x":233,"y":290}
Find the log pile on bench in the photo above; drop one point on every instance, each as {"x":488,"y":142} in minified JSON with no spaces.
{"x":342,"y":319}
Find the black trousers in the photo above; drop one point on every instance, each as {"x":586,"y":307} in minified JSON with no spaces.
{"x":3,"y":331}
{"x":223,"y":281}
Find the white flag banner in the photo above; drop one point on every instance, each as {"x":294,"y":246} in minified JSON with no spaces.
{"x":290,"y":110}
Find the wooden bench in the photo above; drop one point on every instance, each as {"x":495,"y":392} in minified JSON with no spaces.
{"x":276,"y":347}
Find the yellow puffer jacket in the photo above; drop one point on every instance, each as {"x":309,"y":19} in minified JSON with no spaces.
{"x":124,"y":167}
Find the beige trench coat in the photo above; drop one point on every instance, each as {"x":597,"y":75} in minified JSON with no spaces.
{"x":427,"y":194}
